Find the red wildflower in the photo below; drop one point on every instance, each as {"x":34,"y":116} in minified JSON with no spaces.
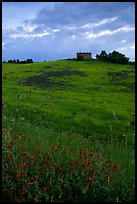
{"x":27,"y":183}
{"x":91,"y":175}
{"x":89,"y":162}
{"x":36,"y":162}
{"x":17,"y":175}
{"x":9,"y":158}
{"x":45,"y":161}
{"x":24,"y":153}
{"x":44,"y":189}
{"x":56,"y":149}
{"x":2,"y":145}
{"x":40,"y":168}
{"x":10,"y":191}
{"x":80,"y":152}
{"x":12,"y":142}
{"x":23,"y":174}
{"x":90,"y":169}
{"x":115,"y":167}
{"x":85,"y":158}
{"x":10,"y":146}
{"x":85,"y":152}
{"x":21,"y":192}
{"x":38,"y":152}
{"x":84,"y":164}
{"x":20,"y":165}
{"x":36,"y":177}
{"x":89,"y":179}
{"x":92,"y":154}
{"x":33,"y":157}
{"x":62,"y":169}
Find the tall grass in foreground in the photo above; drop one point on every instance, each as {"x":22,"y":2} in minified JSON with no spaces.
{"x":59,"y":170}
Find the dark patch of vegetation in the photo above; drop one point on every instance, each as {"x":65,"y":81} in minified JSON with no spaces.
{"x":64,"y":72}
{"x":44,"y":79}
{"x":116,"y":76}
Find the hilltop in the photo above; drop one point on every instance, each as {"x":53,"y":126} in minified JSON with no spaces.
{"x":86,"y":105}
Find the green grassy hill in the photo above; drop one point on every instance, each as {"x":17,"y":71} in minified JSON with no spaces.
{"x":84,"y":104}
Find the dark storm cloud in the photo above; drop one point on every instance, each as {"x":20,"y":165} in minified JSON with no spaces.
{"x":59,"y":29}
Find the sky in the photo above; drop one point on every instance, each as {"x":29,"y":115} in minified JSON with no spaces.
{"x":58,"y":30}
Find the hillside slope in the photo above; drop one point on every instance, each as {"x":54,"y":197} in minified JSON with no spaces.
{"x":90,"y":98}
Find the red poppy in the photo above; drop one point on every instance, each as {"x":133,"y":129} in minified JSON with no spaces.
{"x":80,"y":152}
{"x":10,"y":191}
{"x":36,"y":177}
{"x":20,"y":165}
{"x":115,"y":167}
{"x":45,"y":161}
{"x":89,"y":162}
{"x":10,"y":146}
{"x":89,"y":179}
{"x":40,"y":168}
{"x":12,"y":142}
{"x":91,"y":175}
{"x":21,"y":192}
{"x":24,"y":153}
{"x":27,"y":183}
{"x":62,"y":169}
{"x":92,"y":154}
{"x":85,"y":158}
{"x":84,"y":164}
{"x":23,"y":174}
{"x":38,"y":152}
{"x":36,"y":162}
{"x":44,"y":189}
{"x":33,"y":157}
{"x":90,"y":169}
{"x":56,"y":149}
{"x":17,"y":175}
{"x":85,"y":152}
{"x":9,"y":158}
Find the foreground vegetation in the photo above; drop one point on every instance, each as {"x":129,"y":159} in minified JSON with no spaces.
{"x":67,"y":126}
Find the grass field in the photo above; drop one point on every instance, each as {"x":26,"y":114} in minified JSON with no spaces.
{"x":77,"y":106}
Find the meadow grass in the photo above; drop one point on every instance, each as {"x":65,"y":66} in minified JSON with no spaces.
{"x":92,"y":113}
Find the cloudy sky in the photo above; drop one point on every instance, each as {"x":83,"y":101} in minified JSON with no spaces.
{"x":57,"y":30}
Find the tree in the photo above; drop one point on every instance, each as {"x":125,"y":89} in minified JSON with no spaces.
{"x":103,"y":56}
{"x":18,"y":61}
{"x":98,"y":56}
{"x":114,"y":57}
{"x":10,"y":61}
{"x":29,"y":61}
